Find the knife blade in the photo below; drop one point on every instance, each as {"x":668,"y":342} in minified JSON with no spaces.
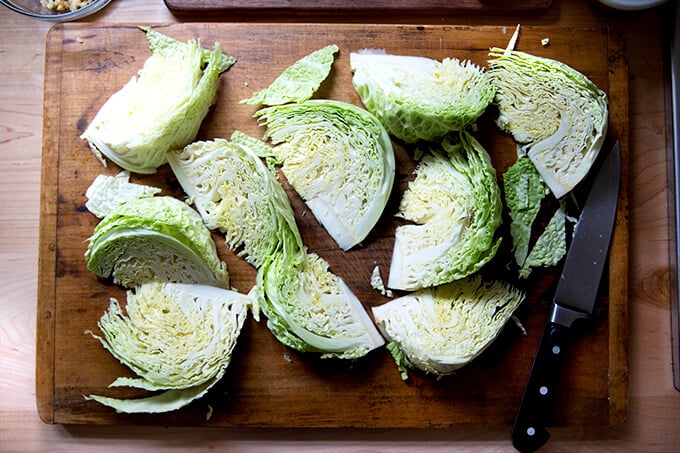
{"x":574,"y":299}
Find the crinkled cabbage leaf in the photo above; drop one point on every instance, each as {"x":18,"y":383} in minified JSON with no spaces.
{"x":441,"y":329}
{"x":159,"y":109}
{"x":308,"y":308}
{"x":455,"y":204}
{"x":108,"y":192}
{"x":557,"y":114}
{"x":176,"y":338}
{"x":419,"y":98}
{"x":524,"y":191}
{"x":551,"y":245}
{"x":155,"y":239}
{"x":339,"y":158}
{"x":298,"y":82}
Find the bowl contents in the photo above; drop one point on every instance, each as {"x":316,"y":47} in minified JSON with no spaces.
{"x":64,"y":5}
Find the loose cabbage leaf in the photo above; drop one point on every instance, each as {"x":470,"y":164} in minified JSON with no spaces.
{"x":455,"y":203}
{"x":106,"y":193}
{"x":524,"y":191}
{"x":340,"y":160}
{"x":174,"y":337}
{"x":159,"y":109}
{"x":551,"y":246}
{"x":155,"y":239}
{"x":298,"y":82}
{"x":443,"y":328}
{"x":419,"y":98}
{"x":167,"y":401}
{"x":556,"y":113}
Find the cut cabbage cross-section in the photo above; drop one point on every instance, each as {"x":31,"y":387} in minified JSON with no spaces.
{"x":418,"y":98}
{"x":340,"y":160}
{"x":155,"y":239}
{"x":177,"y":338}
{"x":307,"y":307}
{"x":441,"y":329}
{"x":556,"y":113}
{"x":455,"y":203}
{"x":159,"y":109}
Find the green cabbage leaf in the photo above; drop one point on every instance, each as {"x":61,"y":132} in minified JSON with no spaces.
{"x":155,"y":239}
{"x":339,"y":158}
{"x":455,"y":204}
{"x":440,"y":329}
{"x":298,"y":82}
{"x":551,"y":245}
{"x":106,"y":193}
{"x":419,"y":98}
{"x":524,"y":191}
{"x":159,"y":109}
{"x":557,"y":114}
{"x":176,"y":338}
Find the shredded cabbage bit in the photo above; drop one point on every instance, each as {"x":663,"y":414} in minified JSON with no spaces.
{"x":177,"y":338}
{"x":524,"y":191}
{"x":440,"y":329}
{"x":556,"y":113}
{"x":106,"y":193}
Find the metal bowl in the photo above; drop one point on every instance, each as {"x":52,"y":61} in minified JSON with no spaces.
{"x":33,"y":8}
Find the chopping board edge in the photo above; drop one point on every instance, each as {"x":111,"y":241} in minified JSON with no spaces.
{"x":619,"y":256}
{"x":47,"y":259}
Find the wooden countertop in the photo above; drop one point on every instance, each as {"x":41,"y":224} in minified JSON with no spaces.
{"x":653,"y":404}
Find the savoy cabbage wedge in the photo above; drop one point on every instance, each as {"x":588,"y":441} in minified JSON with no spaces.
{"x":237,"y":194}
{"x":308,"y":307}
{"x":455,"y":204}
{"x":339,"y":158}
{"x":155,"y":239}
{"x":159,"y":109}
{"x":557,"y":114}
{"x":418,"y":98}
{"x":311,"y":309}
{"x":177,"y":338}
{"x":298,"y":82}
{"x":443,"y":328}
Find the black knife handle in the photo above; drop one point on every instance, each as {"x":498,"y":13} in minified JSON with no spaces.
{"x":529,"y":432}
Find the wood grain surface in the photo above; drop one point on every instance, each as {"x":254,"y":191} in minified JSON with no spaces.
{"x":356,"y":6}
{"x":267,"y":384}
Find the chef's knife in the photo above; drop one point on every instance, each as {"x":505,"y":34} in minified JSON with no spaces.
{"x":574,"y":299}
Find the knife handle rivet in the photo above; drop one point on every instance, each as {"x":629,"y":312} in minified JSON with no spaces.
{"x":543,"y":390}
{"x":555,"y":349}
{"x":531,"y":431}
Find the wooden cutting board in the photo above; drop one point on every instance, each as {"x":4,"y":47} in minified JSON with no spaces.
{"x":355,"y":6}
{"x":267,"y":384}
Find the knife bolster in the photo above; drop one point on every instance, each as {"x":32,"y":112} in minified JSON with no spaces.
{"x":566,"y":316}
